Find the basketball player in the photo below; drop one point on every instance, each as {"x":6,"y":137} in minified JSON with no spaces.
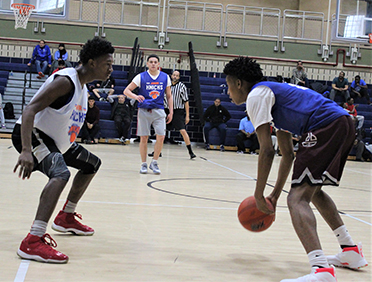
{"x":180,"y":107}
{"x":327,"y":135}
{"x":45,"y":138}
{"x":152,"y":84}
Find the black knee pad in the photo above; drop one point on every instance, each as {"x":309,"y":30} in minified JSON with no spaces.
{"x":93,"y":163}
{"x":54,"y":166}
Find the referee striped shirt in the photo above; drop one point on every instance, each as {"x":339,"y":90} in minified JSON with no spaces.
{"x":180,"y":97}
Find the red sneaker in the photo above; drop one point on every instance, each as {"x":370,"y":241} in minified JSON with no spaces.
{"x":41,"y":74}
{"x":66,"y":222}
{"x":39,"y":249}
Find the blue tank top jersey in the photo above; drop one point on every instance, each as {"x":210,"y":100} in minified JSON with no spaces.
{"x":153,"y":90}
{"x":299,"y":110}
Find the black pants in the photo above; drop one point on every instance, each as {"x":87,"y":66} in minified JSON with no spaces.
{"x":122,"y":124}
{"x":241,"y":137}
{"x":89,"y":134}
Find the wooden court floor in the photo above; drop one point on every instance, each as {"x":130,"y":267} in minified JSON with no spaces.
{"x":177,"y":226}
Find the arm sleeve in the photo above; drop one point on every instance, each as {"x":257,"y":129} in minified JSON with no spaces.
{"x":56,"y":55}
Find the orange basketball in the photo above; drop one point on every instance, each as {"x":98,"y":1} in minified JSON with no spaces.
{"x":252,"y":218}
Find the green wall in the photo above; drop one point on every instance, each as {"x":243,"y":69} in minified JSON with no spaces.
{"x":201,"y":43}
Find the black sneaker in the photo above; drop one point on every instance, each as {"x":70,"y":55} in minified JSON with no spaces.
{"x":222,"y":148}
{"x":152,"y":154}
{"x":192,"y":155}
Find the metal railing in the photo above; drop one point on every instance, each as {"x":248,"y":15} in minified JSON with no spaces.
{"x":252,"y":21}
{"x":195,"y":16}
{"x":302,"y":25}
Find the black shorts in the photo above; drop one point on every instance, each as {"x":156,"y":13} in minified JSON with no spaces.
{"x":45,"y":145}
{"x":178,"y":121}
{"x":322,"y":153}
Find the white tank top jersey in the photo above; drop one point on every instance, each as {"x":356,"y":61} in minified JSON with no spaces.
{"x":63,"y":125}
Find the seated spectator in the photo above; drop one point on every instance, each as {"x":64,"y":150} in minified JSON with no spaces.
{"x":246,"y":132}
{"x":103,"y":89}
{"x":91,"y":127}
{"x":42,"y":58}
{"x":362,"y":153}
{"x":359,"y":89}
{"x":61,"y":65}
{"x":351,"y":109}
{"x":122,"y":114}
{"x":216,"y":116}
{"x":340,"y":86}
{"x":60,"y":55}
{"x":299,"y":76}
{"x":2,"y":117}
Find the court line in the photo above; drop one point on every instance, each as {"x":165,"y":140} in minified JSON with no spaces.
{"x":22,"y":271}
{"x":341,"y":212}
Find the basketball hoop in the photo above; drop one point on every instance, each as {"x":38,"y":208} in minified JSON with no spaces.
{"x":22,"y":13}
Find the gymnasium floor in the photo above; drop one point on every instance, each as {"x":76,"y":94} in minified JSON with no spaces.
{"x":177,"y":226}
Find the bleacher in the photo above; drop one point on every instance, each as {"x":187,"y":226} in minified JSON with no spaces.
{"x":213,"y":85}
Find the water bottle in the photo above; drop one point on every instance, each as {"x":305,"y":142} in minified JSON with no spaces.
{"x":11,"y":73}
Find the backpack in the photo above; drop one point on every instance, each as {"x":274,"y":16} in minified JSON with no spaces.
{"x":9,"y":111}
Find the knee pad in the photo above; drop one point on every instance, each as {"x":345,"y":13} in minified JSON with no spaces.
{"x":92,"y":162}
{"x":54,"y":166}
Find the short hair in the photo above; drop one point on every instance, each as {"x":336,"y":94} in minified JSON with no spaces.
{"x":153,"y":56}
{"x":91,"y":98}
{"x":342,"y":72}
{"x":357,"y":76}
{"x":95,"y":48}
{"x":244,"y":68}
{"x":42,"y":40}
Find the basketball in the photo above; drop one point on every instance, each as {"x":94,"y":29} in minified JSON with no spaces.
{"x":251,"y":218}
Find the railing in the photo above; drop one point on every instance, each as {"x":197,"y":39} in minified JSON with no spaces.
{"x":252,"y":21}
{"x":302,"y":25}
{"x":195,"y":16}
{"x":131,"y":13}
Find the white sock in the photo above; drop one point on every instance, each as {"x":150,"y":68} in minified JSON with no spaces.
{"x":343,"y":236}
{"x":69,"y":207}
{"x":38,"y":228}
{"x":154,"y":161}
{"x":317,"y":258}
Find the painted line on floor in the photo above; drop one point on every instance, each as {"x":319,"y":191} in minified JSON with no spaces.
{"x":22,"y":271}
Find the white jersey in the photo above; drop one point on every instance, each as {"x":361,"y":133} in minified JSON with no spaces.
{"x":63,"y":125}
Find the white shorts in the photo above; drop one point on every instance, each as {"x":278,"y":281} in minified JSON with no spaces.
{"x":146,"y":118}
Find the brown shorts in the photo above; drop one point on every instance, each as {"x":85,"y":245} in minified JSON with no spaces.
{"x":322,"y":153}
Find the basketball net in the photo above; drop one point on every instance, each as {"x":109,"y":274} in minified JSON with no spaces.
{"x":22,"y":13}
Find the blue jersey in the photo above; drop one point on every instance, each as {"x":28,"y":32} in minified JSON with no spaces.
{"x":299,"y":110}
{"x":153,"y":90}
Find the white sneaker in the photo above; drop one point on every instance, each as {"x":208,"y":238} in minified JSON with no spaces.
{"x":143,"y":169}
{"x":317,"y":275}
{"x":349,"y":257}
{"x":154,"y":167}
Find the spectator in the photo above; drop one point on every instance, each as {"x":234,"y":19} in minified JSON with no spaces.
{"x":216,"y":116}
{"x":359,"y":89}
{"x":91,"y":126}
{"x":61,"y":65}
{"x":299,"y":76}
{"x":351,"y":109}
{"x":2,"y":117}
{"x":42,"y":58}
{"x":246,"y":132}
{"x":122,"y":114}
{"x":340,"y":86}
{"x":60,"y":55}
{"x":153,"y":85}
{"x":103,"y":89}
{"x":362,"y":153}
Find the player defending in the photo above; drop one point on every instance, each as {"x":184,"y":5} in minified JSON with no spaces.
{"x":327,"y":135}
{"x":45,"y":137}
{"x":152,"y":84}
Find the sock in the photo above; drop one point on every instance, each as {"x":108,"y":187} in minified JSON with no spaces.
{"x":69,"y":207}
{"x":189,"y":148}
{"x":343,"y":237}
{"x":317,"y":258}
{"x":154,"y":161}
{"x":38,"y":228}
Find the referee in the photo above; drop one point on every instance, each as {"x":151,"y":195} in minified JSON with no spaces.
{"x":180,"y":106}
